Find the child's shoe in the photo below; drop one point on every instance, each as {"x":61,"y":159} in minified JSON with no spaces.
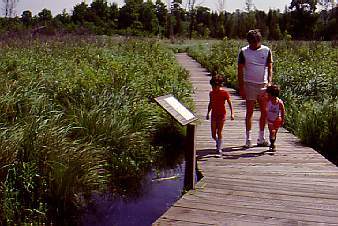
{"x":272,"y":144}
{"x":262,"y":143}
{"x":272,"y":147}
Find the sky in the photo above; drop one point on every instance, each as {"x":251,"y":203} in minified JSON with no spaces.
{"x":56,"y":6}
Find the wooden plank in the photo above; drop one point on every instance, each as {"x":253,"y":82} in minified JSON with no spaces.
{"x":208,"y":217}
{"x":293,"y":186}
{"x":171,"y":222}
{"x":289,"y":197}
{"x":262,"y":212}
{"x":268,"y":200}
{"x":259,"y":204}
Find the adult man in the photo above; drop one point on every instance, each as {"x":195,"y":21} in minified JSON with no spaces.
{"x":254,"y":75}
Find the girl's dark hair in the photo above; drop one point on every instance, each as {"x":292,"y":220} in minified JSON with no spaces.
{"x":216,"y":80}
{"x":273,"y":90}
{"x":254,"y":36}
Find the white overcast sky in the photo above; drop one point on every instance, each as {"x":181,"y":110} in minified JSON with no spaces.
{"x":56,"y":6}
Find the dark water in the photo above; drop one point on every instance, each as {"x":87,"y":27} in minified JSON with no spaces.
{"x":159,"y":192}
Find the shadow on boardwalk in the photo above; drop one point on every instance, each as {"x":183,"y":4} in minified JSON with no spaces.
{"x":229,"y":153}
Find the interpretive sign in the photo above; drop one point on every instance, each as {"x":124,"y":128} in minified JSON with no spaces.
{"x":176,"y":109}
{"x":179,"y":112}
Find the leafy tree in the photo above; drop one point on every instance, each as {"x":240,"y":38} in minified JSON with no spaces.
{"x":148,"y":17}
{"x":203,"y":20}
{"x":331,"y":28}
{"x":99,"y":11}
{"x":203,"y":15}
{"x":303,"y":18}
{"x":191,"y":12}
{"x":241,"y":25}
{"x":45,"y":16}
{"x":113,"y":16}
{"x":26,"y":18}
{"x":221,"y":29}
{"x":162,"y":15}
{"x":63,"y":18}
{"x":251,"y":22}
{"x":130,"y":13}
{"x":261,"y":19}
{"x":176,"y":12}
{"x":228,"y":24}
{"x":300,"y":20}
{"x":285,"y":21}
{"x":80,"y":12}
{"x":113,"y":12}
{"x":304,"y":5}
{"x":273,"y":25}
{"x":161,"y":12}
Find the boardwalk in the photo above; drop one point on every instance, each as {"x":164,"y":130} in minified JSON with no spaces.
{"x":294,"y":186}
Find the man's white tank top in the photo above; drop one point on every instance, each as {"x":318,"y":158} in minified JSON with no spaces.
{"x":256,"y":70}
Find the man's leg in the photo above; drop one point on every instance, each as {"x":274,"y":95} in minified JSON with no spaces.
{"x":250,"y":104}
{"x":262,"y":101}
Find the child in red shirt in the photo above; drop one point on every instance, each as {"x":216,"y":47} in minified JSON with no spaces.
{"x":218,"y":96}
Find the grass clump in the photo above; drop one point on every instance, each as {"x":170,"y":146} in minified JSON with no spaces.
{"x":77,"y":117}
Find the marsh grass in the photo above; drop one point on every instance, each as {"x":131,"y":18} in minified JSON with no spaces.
{"x":316,"y":125}
{"x":219,"y":57}
{"x":77,"y":118}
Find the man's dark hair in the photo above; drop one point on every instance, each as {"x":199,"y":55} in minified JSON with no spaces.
{"x":254,"y":36}
{"x":273,"y":90}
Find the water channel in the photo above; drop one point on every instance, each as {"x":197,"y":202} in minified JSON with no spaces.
{"x":159,"y":191}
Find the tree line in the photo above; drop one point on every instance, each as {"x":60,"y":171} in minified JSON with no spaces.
{"x":299,"y":21}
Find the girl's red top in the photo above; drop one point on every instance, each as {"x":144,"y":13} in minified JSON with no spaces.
{"x":217,"y":100}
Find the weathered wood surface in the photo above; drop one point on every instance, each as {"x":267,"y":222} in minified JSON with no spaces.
{"x":293,"y":186}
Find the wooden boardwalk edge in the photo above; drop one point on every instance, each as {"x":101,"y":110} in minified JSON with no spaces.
{"x":293,"y":186}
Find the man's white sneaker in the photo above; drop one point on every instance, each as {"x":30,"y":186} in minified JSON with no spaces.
{"x":248,"y":144}
{"x":220,"y":152}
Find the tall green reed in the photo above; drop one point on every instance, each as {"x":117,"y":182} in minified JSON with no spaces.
{"x":77,"y":118}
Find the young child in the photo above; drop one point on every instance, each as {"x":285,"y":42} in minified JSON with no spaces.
{"x":218,"y":96}
{"x":276,"y":113}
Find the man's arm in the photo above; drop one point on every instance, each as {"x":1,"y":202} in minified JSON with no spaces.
{"x":282,"y":109}
{"x":269,"y":73}
{"x":269,"y":65}
{"x":240,"y":75}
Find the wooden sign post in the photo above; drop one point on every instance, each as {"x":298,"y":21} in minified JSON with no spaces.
{"x":185,"y":117}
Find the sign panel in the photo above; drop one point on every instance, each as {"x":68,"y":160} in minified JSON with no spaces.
{"x":176,"y":109}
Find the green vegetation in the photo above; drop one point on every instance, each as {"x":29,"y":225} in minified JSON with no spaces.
{"x":301,"y":20}
{"x":307,"y":75}
{"x":77,"y":117}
